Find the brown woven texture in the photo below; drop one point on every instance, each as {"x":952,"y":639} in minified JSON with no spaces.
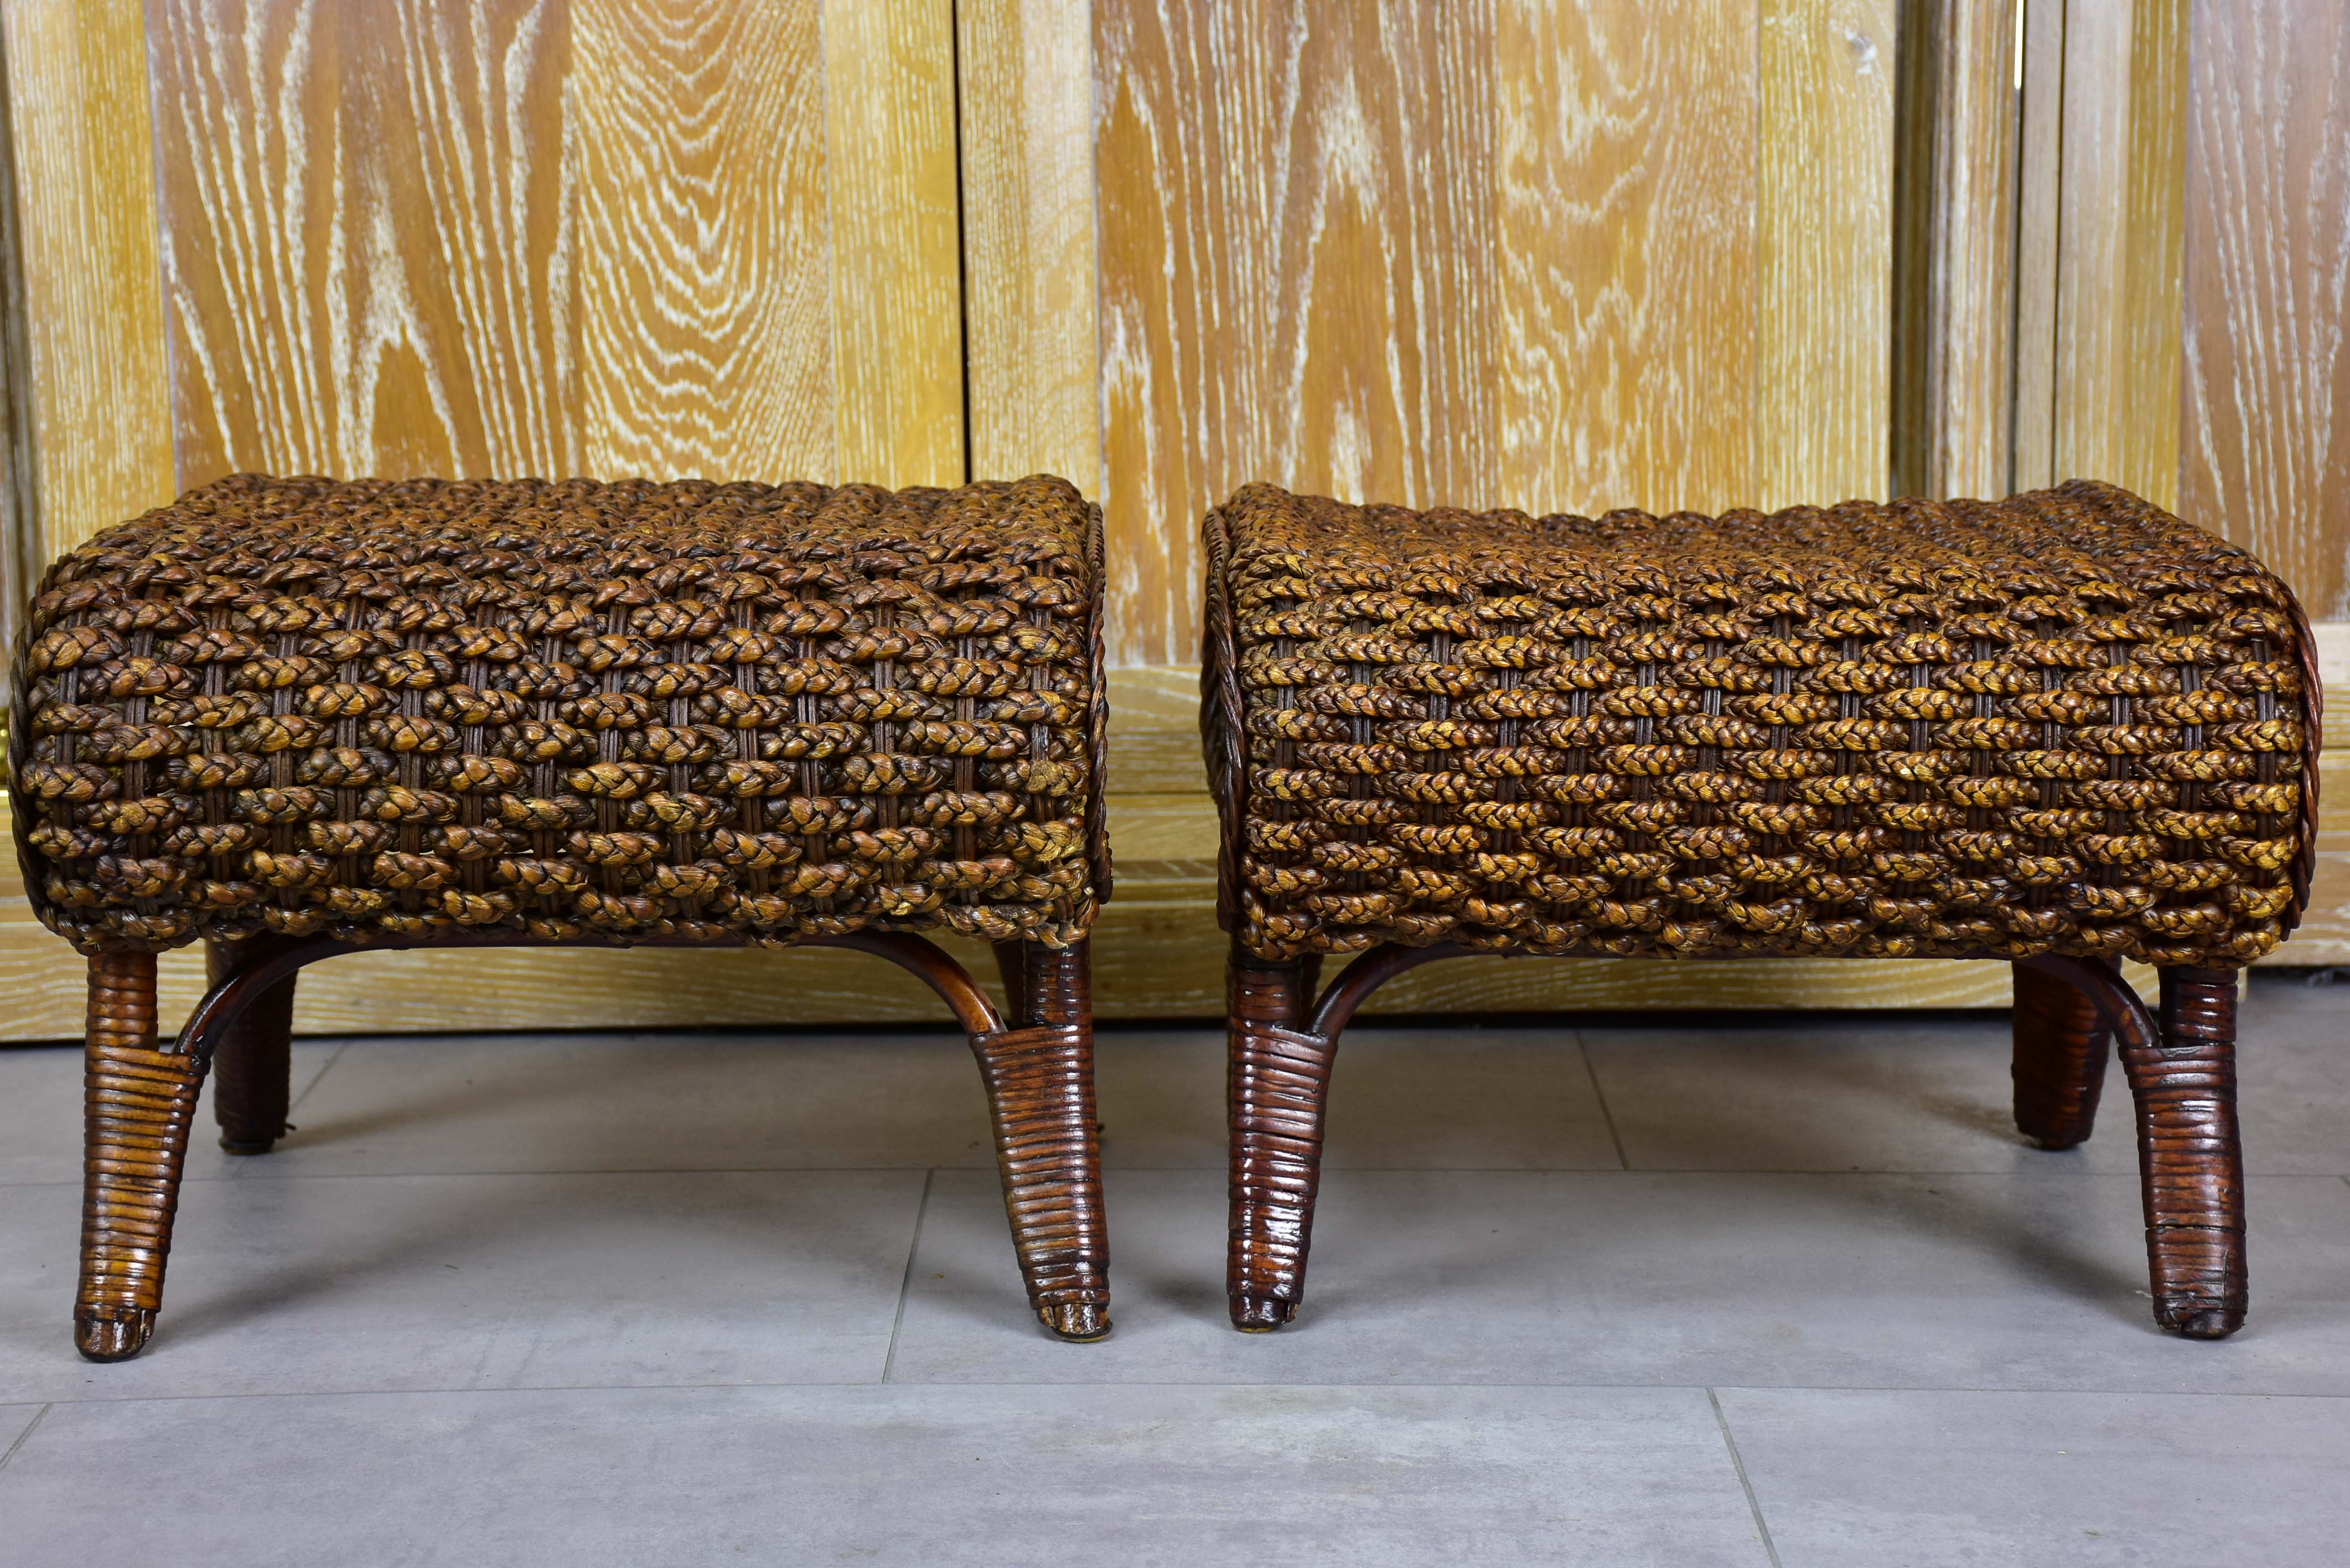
{"x":631,"y":710}
{"x":2064,"y":723}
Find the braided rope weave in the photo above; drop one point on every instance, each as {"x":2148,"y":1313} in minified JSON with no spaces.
{"x":2064,"y":723}
{"x":631,"y":712}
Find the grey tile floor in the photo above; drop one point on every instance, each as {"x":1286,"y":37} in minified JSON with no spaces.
{"x":1770,"y":1291}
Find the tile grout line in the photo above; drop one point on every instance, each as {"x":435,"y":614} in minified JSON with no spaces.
{"x":495,"y":1389}
{"x":906,"y":1285}
{"x":1583,"y":1049}
{"x":1753,"y":1504}
{"x":38,"y":1415}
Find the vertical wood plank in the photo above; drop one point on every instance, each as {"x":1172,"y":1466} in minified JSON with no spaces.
{"x":2039,"y":182}
{"x":2267,"y":457}
{"x":1378,"y":331}
{"x":888,"y":72}
{"x":2121,"y":198}
{"x":1033,"y":378}
{"x":20,"y":517}
{"x":85,"y":153}
{"x":1181,"y":133}
{"x":1955,"y":304}
{"x":367,"y":237}
{"x":458,"y":282}
{"x":705,"y":296}
{"x":1826,"y":250}
{"x":1628,"y":278}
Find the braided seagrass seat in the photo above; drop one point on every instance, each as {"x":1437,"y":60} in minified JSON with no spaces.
{"x":2060,"y":729}
{"x":297,"y":718}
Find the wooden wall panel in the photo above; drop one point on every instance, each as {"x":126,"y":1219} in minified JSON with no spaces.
{"x":562,"y":236}
{"x":897,"y":311}
{"x":367,"y":236}
{"x":1033,"y":381}
{"x":2120,"y":210}
{"x":1181,"y":132}
{"x":704,"y":313}
{"x":1825,"y":204}
{"x":2268,"y":222}
{"x":1955,"y":177}
{"x":91,"y":313}
{"x":1626,"y":163}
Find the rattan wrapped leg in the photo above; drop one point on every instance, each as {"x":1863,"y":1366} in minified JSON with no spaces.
{"x":138,"y":1105}
{"x":2190,"y":1159}
{"x":1279,"y":1077}
{"x":1040,"y":1091}
{"x":253,"y":1063}
{"x":2061,"y":1047}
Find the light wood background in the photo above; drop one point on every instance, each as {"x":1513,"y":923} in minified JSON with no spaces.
{"x":1555,"y":253}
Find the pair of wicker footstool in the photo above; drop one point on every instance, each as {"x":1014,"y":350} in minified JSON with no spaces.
{"x":293,"y":719}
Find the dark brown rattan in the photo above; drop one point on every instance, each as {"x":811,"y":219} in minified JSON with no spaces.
{"x":2063,"y":729}
{"x":2061,"y":1047}
{"x":298,"y":718}
{"x":253,"y":1067}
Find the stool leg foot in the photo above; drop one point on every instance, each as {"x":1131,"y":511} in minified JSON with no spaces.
{"x":137,"y":1105}
{"x":1278,"y":1084}
{"x":2061,"y":1047}
{"x":2190,"y":1158}
{"x":253,"y":1063}
{"x":1040,"y":1090}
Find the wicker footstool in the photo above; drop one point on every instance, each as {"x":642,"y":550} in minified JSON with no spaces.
{"x":2060,"y":729}
{"x":296,"y":718}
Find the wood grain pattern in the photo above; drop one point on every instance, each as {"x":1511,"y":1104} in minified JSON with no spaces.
{"x":367,"y":237}
{"x":1025,"y":81}
{"x":2268,"y":222}
{"x":84,"y":152}
{"x":2039,"y":186}
{"x":1625,"y":162}
{"x":1954,"y":309}
{"x":1173,"y":147}
{"x":705,"y":317}
{"x":533,"y":236}
{"x":2120,"y":213}
{"x":1827,"y":282}
{"x":897,"y":314}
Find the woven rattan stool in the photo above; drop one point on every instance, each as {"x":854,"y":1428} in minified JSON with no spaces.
{"x":2060,"y":729}
{"x":297,"y":718}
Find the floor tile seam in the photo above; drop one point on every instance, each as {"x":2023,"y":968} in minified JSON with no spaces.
{"x":39,"y":1417}
{"x":1102,"y":1385}
{"x":1606,"y":1112}
{"x":906,"y":1282}
{"x":1745,"y":1485}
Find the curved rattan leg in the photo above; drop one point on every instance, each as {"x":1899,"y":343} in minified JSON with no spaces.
{"x":2190,"y":1159}
{"x":137,"y":1105}
{"x":1040,"y":1091}
{"x":1279,"y":1078}
{"x":253,"y":1065}
{"x":2061,"y":1046}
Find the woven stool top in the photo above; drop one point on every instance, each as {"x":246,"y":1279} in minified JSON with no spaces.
{"x":2063,"y":722}
{"x":633,"y":711}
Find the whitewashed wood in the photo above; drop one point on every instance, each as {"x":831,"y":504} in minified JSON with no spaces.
{"x":2268,"y":222}
{"x":1954,"y":363}
{"x":2120,"y":201}
{"x":705,"y":319}
{"x":1825,"y":368}
{"x":2040,"y":174}
{"x":367,"y":245}
{"x":1029,"y":259}
{"x":91,"y":310}
{"x":897,"y":312}
{"x":1626,"y":165}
